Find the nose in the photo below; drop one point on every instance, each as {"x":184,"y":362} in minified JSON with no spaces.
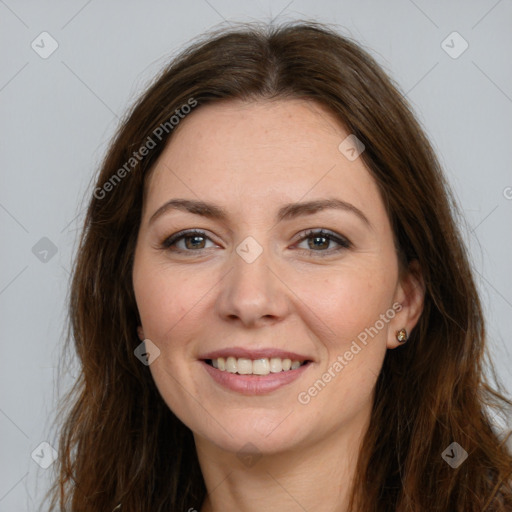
{"x":252,"y":293}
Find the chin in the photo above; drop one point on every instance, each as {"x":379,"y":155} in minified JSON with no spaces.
{"x":246,"y":440}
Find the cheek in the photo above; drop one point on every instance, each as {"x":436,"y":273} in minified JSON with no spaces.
{"x":348,"y":306}
{"x":165,"y":299}
{"x":348,"y":302}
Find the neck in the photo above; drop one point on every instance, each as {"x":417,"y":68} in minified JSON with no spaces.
{"x":317,"y":476}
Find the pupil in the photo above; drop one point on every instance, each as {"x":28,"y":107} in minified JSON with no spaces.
{"x":321,"y":245}
{"x":191,"y":241}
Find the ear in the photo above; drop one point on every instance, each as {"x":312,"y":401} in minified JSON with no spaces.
{"x":410,"y":294}
{"x":140,"y":333}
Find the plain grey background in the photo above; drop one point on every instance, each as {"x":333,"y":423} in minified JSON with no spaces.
{"x":58,"y":114}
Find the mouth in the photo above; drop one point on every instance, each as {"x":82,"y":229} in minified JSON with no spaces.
{"x":261,"y":366}
{"x":254,"y":372}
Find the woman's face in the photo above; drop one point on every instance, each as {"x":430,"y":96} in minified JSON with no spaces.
{"x":257,"y":288}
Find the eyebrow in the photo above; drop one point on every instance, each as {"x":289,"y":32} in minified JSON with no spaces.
{"x":286,"y":212}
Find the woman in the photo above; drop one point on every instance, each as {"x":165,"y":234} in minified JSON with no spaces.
{"x":271,"y":301}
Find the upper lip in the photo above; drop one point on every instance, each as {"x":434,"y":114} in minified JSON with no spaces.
{"x":239,"y":352}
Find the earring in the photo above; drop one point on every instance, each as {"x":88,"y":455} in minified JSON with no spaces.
{"x":401,"y":335}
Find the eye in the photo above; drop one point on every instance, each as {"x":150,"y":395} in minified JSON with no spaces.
{"x":193,"y":240}
{"x":318,"y":241}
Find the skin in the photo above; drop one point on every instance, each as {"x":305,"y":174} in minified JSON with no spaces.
{"x":251,"y":158}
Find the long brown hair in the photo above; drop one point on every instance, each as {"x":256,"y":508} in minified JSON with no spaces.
{"x":120,"y":443}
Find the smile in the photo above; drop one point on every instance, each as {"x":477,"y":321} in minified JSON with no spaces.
{"x":263,"y":366}
{"x":251,"y":384}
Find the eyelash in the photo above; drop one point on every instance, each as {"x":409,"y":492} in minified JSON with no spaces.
{"x":312,"y":233}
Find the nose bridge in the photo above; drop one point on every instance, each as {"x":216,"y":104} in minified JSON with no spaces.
{"x":251,"y":291}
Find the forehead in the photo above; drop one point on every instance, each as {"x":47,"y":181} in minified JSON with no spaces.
{"x":251,"y":154}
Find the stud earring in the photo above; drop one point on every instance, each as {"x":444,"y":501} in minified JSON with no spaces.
{"x":401,"y":336}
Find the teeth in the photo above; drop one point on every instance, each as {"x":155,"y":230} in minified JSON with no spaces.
{"x":231,"y":366}
{"x":244,"y":366}
{"x":287,"y":364}
{"x":261,"y":367}
{"x":275,"y":365}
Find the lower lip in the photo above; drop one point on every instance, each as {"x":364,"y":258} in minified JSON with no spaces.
{"x":254,"y":384}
